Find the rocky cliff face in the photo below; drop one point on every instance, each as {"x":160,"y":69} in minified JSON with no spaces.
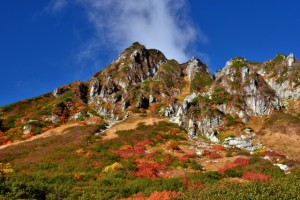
{"x":283,"y":76}
{"x":143,"y":79}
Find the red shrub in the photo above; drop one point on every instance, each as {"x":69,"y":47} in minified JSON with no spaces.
{"x":159,"y":137}
{"x":186,"y":182}
{"x":44,"y":129}
{"x":8,"y":142}
{"x":168,"y":160}
{"x":127,"y":151}
{"x":218,"y":147}
{"x":29,"y":135}
{"x":271,"y":154}
{"x":230,"y":165}
{"x":206,"y":152}
{"x":147,"y":169}
{"x":18,"y":123}
{"x":241,"y":161}
{"x":51,"y":127}
{"x":141,"y":144}
{"x":185,"y":157}
{"x":197,"y":186}
{"x":150,"y":155}
{"x":3,"y":139}
{"x":211,"y":154}
{"x":214,"y":155}
{"x":256,"y":176}
{"x":173,"y":131}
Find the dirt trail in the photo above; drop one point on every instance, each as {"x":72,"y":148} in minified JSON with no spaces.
{"x":130,"y":123}
{"x":56,"y":131}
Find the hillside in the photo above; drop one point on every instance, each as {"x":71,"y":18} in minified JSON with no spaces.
{"x":149,"y":127}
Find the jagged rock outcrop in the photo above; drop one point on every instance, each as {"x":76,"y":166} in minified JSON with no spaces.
{"x":195,"y":66}
{"x":94,"y":88}
{"x":250,"y":94}
{"x":282,"y":74}
{"x":116,"y":86}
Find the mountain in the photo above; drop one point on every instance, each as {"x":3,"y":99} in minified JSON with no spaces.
{"x":244,"y":107}
{"x":142,"y":80}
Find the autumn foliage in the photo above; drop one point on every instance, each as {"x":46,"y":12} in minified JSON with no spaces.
{"x":186,"y":157}
{"x":256,"y":176}
{"x":190,"y":185}
{"x":230,"y":165}
{"x":173,"y":145}
{"x":271,"y":154}
{"x":211,"y":154}
{"x":218,"y":147}
{"x":164,"y":195}
{"x":78,"y":177}
{"x":138,"y":149}
{"x":146,"y":168}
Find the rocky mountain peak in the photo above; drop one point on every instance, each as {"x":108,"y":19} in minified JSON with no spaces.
{"x":290,"y":59}
{"x":195,"y":66}
{"x":142,"y":79}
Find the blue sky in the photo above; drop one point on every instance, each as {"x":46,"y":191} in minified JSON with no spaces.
{"x":45,"y":44}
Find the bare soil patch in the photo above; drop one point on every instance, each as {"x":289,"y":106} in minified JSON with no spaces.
{"x":130,"y":123}
{"x":56,"y":131}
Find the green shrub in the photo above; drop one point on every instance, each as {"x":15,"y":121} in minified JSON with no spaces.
{"x":200,"y":80}
{"x":279,"y":58}
{"x":220,"y":96}
{"x":238,"y":64}
{"x":231,"y":120}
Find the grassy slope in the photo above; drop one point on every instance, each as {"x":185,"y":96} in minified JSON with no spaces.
{"x":150,"y":158}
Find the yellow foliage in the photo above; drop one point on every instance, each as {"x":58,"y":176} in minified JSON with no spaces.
{"x":259,"y":152}
{"x":8,"y":171}
{"x":113,"y":167}
{"x":6,"y":168}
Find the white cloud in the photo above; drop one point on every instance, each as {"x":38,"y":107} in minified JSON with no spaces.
{"x":159,"y":24}
{"x":56,"y":5}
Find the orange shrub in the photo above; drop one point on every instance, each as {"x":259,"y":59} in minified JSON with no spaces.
{"x":29,"y":135}
{"x":218,"y":147}
{"x":164,"y":195}
{"x":44,"y":129}
{"x":173,"y":146}
{"x":126,"y":147}
{"x":51,"y":127}
{"x":78,"y":177}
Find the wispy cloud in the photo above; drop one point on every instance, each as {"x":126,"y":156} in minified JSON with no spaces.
{"x":56,"y":5}
{"x":160,"y":24}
